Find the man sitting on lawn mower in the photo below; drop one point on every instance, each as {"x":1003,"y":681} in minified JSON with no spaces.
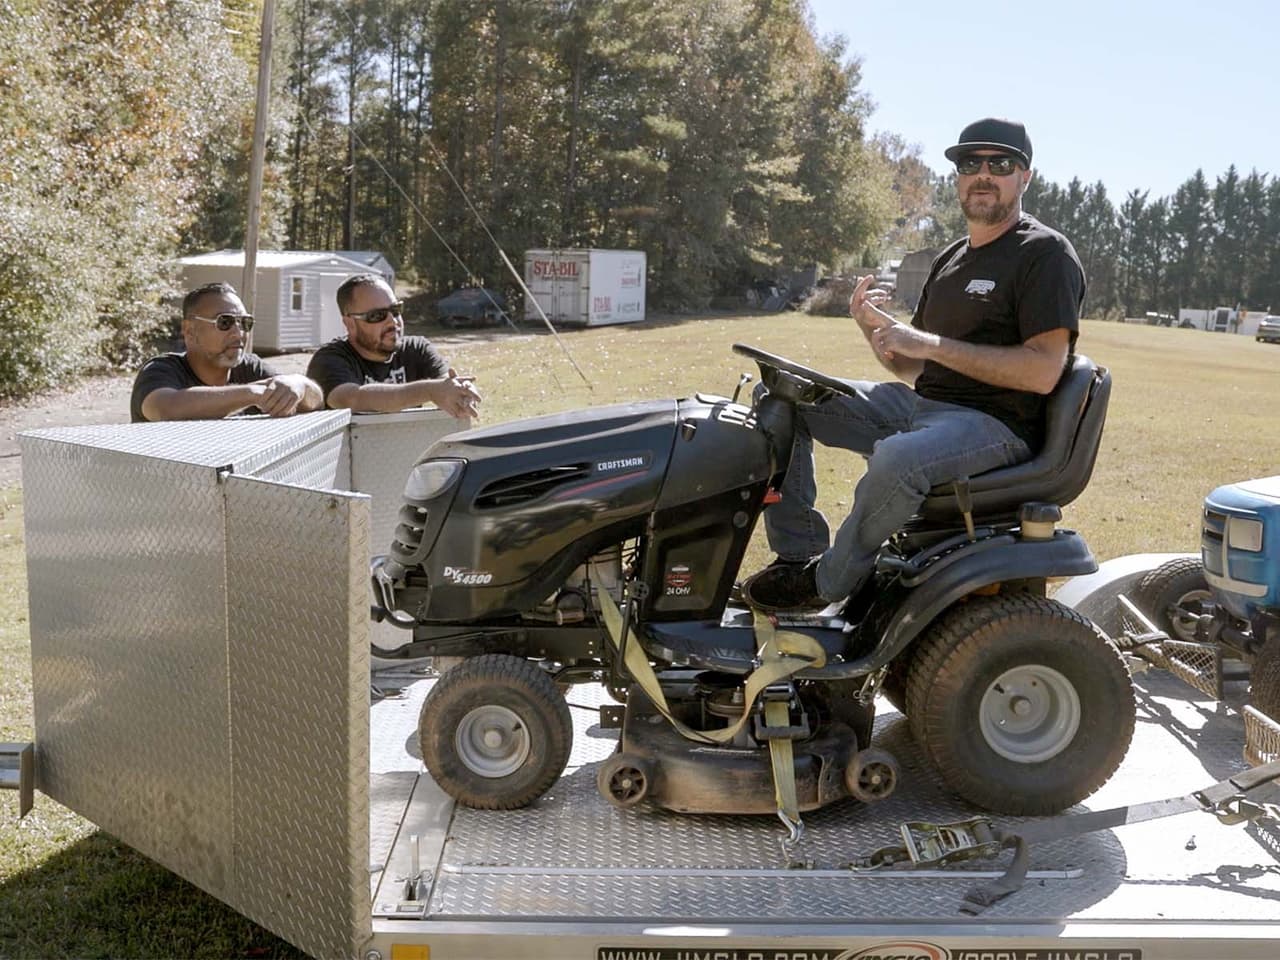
{"x":993,"y":331}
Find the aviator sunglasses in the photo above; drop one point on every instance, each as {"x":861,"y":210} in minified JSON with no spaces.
{"x":381,"y":313}
{"x":225,"y":321}
{"x":1000,"y":166}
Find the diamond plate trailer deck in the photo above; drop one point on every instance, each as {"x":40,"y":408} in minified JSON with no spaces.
{"x":200,"y":659}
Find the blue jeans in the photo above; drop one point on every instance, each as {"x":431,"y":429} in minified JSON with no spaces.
{"x":912,"y":444}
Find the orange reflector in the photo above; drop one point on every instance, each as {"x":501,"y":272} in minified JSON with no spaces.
{"x":410,"y":951}
{"x":771,"y":496}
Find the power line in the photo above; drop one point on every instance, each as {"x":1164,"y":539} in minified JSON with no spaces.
{"x":483,"y":226}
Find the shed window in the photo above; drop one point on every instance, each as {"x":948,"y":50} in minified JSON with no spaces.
{"x":295,"y":293}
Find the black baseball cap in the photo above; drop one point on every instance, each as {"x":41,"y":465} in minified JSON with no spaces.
{"x":993,"y":134}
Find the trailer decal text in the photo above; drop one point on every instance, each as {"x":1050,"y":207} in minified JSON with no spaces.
{"x":893,"y":950}
{"x":555,"y":268}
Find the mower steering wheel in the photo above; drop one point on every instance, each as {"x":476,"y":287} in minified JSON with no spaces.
{"x":769,"y":362}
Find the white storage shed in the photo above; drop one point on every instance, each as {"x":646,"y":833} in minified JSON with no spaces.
{"x":586,"y":287}
{"x":297,"y":306}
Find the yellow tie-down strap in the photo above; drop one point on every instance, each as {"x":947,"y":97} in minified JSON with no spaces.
{"x":781,"y":653}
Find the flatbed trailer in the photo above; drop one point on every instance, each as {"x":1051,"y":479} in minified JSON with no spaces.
{"x":202,"y":691}
{"x":572,"y":876}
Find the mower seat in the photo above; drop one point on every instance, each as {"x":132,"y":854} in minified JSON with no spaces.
{"x":1074,"y":416}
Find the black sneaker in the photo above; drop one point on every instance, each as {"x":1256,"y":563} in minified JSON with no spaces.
{"x":784,"y":586}
{"x":735,"y":592}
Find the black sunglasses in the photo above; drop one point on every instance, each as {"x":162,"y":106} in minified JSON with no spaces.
{"x":381,"y":313}
{"x":225,"y":321}
{"x":1000,"y":166}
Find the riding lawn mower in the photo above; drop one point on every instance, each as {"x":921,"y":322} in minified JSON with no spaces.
{"x":603,"y":546}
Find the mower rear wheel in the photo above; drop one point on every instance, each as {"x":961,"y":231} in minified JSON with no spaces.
{"x":1175,"y":595}
{"x":495,"y":732}
{"x":1022,"y":705}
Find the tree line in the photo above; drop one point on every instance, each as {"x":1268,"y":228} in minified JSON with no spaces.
{"x":1201,"y":247}
{"x":722,"y":137}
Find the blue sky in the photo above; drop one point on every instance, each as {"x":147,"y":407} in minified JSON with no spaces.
{"x":1135,"y":93}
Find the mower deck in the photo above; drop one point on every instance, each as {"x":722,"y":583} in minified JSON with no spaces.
{"x":574,"y":858}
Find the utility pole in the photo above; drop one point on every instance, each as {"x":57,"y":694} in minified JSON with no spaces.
{"x":249,"y":284}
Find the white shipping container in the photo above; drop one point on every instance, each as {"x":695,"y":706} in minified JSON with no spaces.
{"x":586,"y":287}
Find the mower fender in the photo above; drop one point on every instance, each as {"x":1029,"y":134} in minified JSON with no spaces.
{"x":902,"y":612}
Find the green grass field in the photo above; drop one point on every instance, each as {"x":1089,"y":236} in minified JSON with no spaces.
{"x":1189,"y":411}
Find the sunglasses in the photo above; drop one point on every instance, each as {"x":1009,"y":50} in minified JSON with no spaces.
{"x":1000,"y":166}
{"x":381,"y":313}
{"x":225,"y":321}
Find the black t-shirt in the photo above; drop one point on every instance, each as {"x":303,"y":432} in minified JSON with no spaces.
{"x":1026,"y":282}
{"x":174,"y":371}
{"x":337,"y":363}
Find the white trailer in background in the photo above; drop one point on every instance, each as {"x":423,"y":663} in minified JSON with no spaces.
{"x":585,"y":287}
{"x":1223,"y":319}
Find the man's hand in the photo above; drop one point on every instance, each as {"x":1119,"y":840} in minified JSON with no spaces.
{"x":457,"y":396}
{"x":895,"y":340}
{"x":279,"y":396}
{"x":866,"y":305}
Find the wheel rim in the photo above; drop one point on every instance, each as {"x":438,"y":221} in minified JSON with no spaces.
{"x":1029,"y":714}
{"x":1185,"y":613}
{"x":492,"y":741}
{"x":875,"y":780}
{"x":628,"y":785}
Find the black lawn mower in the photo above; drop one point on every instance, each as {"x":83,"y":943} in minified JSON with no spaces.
{"x":603,"y":546}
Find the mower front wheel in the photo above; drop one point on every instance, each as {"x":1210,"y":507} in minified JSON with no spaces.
{"x":1023,"y":705}
{"x":495,"y":732}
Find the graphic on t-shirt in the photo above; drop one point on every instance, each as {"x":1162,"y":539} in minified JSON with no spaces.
{"x":394,"y":375}
{"x":980,"y":287}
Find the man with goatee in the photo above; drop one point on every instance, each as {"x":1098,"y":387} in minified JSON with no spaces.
{"x":375,"y":368}
{"x":993,"y":332}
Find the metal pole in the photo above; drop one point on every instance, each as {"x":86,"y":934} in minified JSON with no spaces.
{"x":249,"y":284}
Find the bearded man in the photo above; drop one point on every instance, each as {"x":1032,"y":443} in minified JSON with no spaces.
{"x":993,"y":332}
{"x":375,"y":368}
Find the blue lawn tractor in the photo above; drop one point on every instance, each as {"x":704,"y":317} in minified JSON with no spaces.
{"x":1221,"y":611}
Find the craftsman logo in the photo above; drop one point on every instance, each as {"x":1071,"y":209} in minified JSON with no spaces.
{"x":623,"y":463}
{"x":980,"y":287}
{"x":464,"y":577}
{"x":679,"y":581}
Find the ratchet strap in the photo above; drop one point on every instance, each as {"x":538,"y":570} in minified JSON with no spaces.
{"x":931,"y":845}
{"x":781,"y":654}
